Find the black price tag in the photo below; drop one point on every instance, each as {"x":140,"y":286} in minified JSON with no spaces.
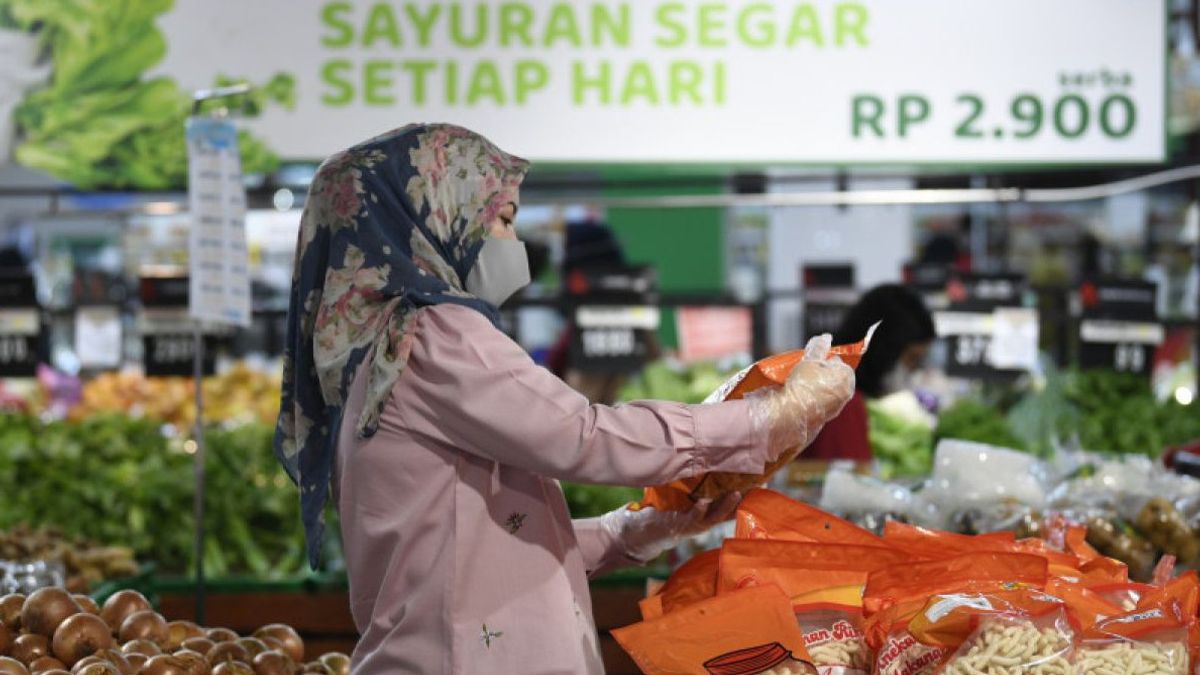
{"x":969,"y":324}
{"x":168,"y":341}
{"x":174,"y":354}
{"x":828,"y":293}
{"x":1119,"y":329}
{"x":21,"y":331}
{"x":615,"y":313}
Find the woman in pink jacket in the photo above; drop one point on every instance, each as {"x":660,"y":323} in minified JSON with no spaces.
{"x":441,"y":443}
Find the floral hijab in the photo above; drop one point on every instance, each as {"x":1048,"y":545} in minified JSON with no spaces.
{"x":391,"y":225}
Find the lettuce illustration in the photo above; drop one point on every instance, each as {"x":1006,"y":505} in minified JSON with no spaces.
{"x":99,"y":122}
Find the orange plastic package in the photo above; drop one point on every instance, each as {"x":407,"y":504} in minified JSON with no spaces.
{"x":772,"y":371}
{"x":748,"y":632}
{"x":902,"y":598}
{"x":825,"y":583}
{"x":766,"y":514}
{"x":694,"y":581}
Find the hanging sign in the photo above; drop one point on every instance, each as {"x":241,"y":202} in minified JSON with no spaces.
{"x":827,"y":293}
{"x":822,"y":81}
{"x":217,"y":259}
{"x":615,"y":311}
{"x":20,"y":326}
{"x":1119,"y":329}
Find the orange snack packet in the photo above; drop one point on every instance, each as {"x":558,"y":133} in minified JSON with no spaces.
{"x":694,"y":581}
{"x":772,"y":371}
{"x":766,"y":514}
{"x":897,"y":595}
{"x":930,"y":544}
{"x":747,"y":632}
{"x":825,"y":584}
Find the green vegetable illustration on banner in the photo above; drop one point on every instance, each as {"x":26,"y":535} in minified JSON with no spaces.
{"x":76,"y":101}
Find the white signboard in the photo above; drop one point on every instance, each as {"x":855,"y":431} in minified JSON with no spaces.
{"x":219,"y":283}
{"x":820,"y":81}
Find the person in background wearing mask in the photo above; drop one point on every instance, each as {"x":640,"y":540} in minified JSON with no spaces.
{"x":441,"y":443}
{"x":898,"y":349}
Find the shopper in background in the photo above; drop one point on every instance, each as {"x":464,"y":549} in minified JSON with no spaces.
{"x":898,"y":349}
{"x":442,"y":440}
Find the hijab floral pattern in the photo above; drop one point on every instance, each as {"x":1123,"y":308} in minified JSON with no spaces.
{"x":390,"y":226}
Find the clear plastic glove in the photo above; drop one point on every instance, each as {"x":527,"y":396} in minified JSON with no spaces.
{"x":816,"y":391}
{"x":648,"y":532}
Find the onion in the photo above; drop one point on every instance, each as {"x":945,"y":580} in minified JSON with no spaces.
{"x":220,"y":635}
{"x":30,"y":647}
{"x":228,"y":651}
{"x":79,"y":636}
{"x":254,"y":647}
{"x":144,"y":647}
{"x":200,"y":645}
{"x":6,"y":639}
{"x":337,"y":663}
{"x":165,"y":664}
{"x":178,"y":631}
{"x":117,"y":660}
{"x":45,"y":608}
{"x":11,"y":666}
{"x":146,"y":624}
{"x":10,"y":610}
{"x":195,"y":663}
{"x":273,"y":663}
{"x":86,"y":603}
{"x":46,"y":663}
{"x":317,"y":668}
{"x":97,"y":668}
{"x":232,"y":668}
{"x":136,"y":661}
{"x":120,"y":605}
{"x":85,"y":662}
{"x":293,"y":646}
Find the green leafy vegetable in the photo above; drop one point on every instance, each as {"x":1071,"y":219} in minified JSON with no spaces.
{"x":902,"y":446}
{"x":98,"y":122}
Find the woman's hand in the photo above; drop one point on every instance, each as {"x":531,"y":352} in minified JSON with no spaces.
{"x":648,"y":532}
{"x":816,"y":391}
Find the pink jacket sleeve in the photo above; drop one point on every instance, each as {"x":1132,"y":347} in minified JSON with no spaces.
{"x":478,"y":391}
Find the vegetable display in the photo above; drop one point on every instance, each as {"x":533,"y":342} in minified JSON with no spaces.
{"x":86,"y":563}
{"x":120,"y":481}
{"x":126,"y":636}
{"x":901,"y":436}
{"x":99,"y":121}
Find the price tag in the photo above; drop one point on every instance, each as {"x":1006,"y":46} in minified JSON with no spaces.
{"x":828,"y":293}
{"x":168,"y":340}
{"x":98,"y":342}
{"x":20,"y":327}
{"x":989,"y":335}
{"x":614,"y":316}
{"x":1119,"y":329}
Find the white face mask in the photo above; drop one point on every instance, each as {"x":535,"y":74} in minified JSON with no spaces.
{"x":501,"y":270}
{"x":899,"y":379}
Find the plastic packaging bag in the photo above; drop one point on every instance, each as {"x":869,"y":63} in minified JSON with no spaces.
{"x":748,"y":632}
{"x":1014,"y":644}
{"x":825,"y":584}
{"x":771,"y":372}
{"x":967,"y":475}
{"x":866,"y":501}
{"x":765,"y":514}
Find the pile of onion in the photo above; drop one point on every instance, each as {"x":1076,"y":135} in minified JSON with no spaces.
{"x":52,"y":632}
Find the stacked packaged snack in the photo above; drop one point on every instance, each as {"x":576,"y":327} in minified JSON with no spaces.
{"x":913,"y":601}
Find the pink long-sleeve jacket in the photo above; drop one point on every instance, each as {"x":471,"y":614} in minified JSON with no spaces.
{"x":462,"y":556}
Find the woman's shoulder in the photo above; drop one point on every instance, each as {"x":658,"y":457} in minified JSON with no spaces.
{"x":460,"y":334}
